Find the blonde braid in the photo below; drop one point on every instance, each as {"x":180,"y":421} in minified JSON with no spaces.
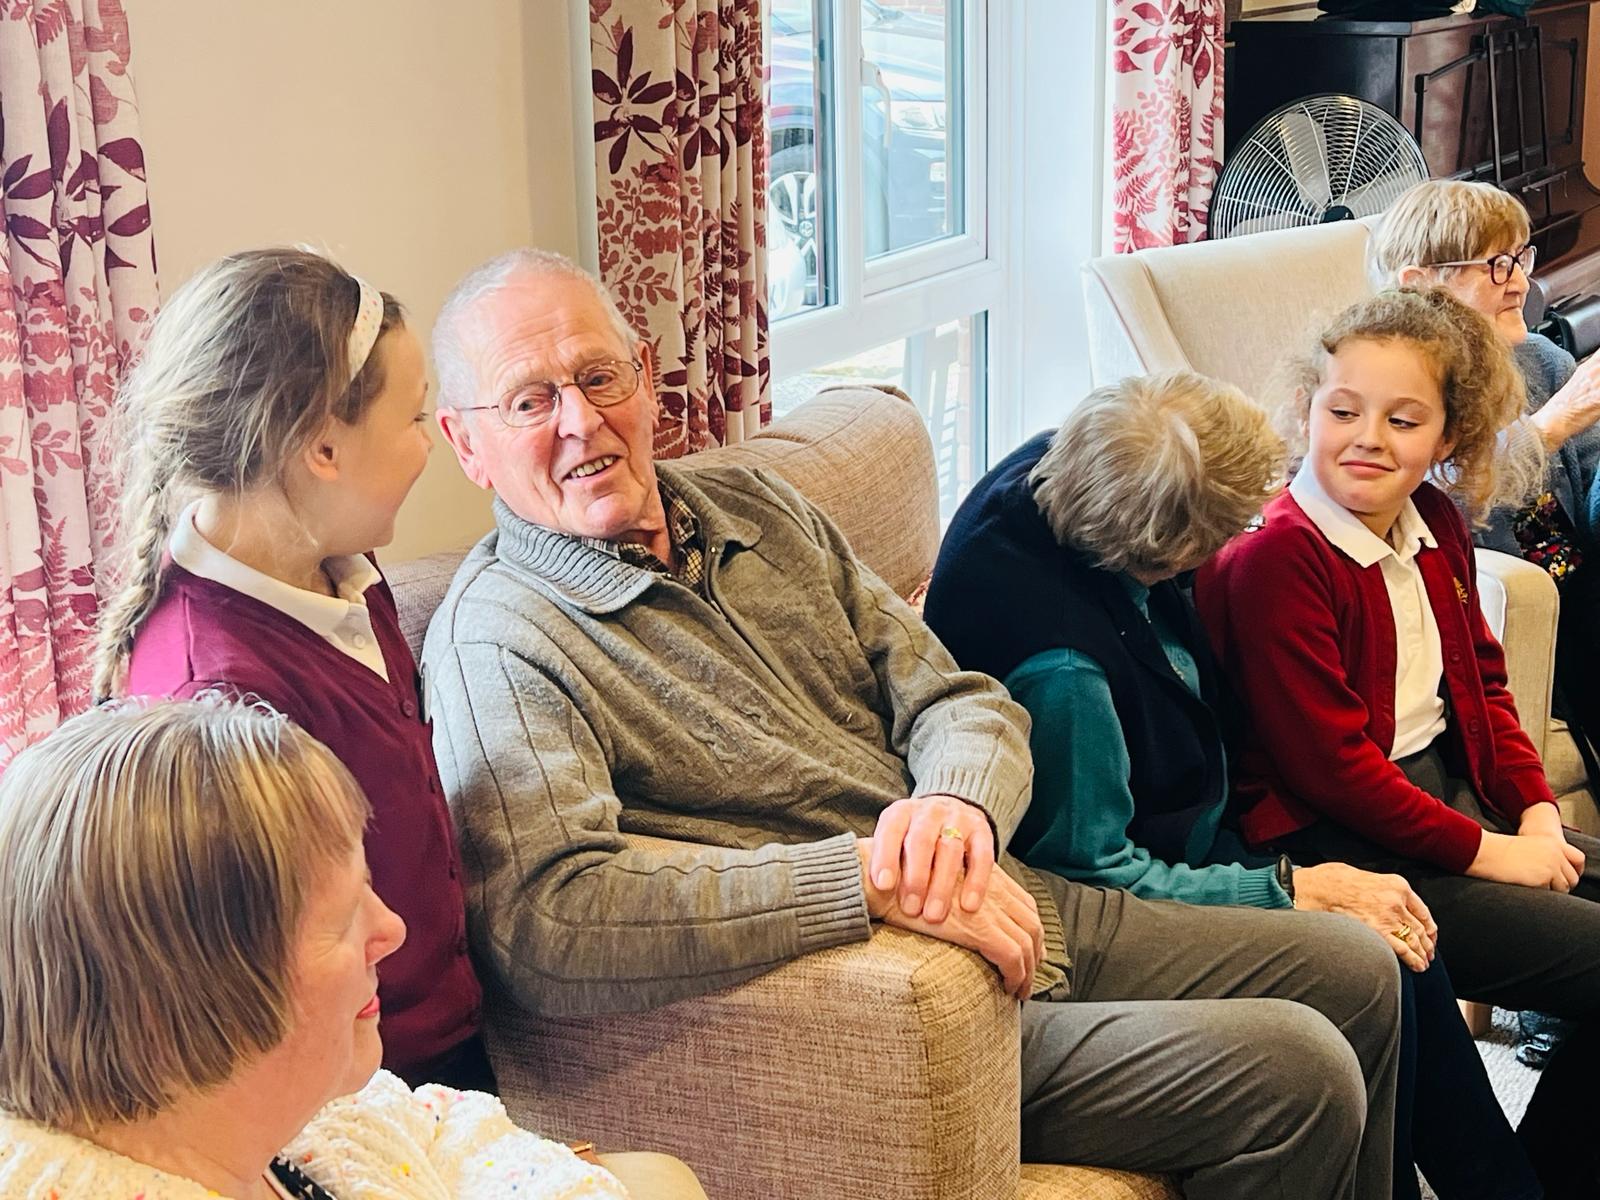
{"x":147,"y":523}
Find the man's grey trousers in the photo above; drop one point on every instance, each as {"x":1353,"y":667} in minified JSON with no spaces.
{"x":1251,"y":1052}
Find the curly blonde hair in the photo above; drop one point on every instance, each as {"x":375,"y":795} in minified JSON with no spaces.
{"x":1479,"y":382}
{"x":1153,"y":474}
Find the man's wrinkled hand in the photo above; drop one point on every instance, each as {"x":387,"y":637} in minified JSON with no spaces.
{"x":927,"y":847}
{"x":1005,"y":929}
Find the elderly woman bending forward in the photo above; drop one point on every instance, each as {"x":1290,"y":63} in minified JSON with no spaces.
{"x":189,"y":945}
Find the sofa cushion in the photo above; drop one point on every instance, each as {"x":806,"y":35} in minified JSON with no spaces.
{"x":865,"y":461}
{"x":1040,"y":1182}
{"x":1563,"y":765}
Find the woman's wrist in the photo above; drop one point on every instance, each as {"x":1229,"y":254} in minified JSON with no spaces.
{"x":1284,"y":874}
{"x":1486,"y":863}
{"x":1552,"y":425}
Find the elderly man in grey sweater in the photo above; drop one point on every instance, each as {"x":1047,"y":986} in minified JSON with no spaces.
{"x":699,"y":656}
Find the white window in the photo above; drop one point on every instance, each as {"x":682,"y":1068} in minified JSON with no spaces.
{"x":884,"y":261}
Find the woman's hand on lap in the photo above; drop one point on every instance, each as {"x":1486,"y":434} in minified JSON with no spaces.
{"x":1544,"y":820}
{"x":1384,"y":903}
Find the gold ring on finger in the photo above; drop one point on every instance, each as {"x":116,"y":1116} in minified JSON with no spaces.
{"x":1403,"y":933}
{"x":950,"y":831}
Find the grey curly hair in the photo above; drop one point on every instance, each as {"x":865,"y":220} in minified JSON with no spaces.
{"x":1154,"y":474}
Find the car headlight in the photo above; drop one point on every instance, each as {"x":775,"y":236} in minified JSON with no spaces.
{"x":917,"y":114}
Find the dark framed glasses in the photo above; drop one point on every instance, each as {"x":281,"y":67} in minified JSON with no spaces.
{"x":1500,"y":265}
{"x":603,"y":384}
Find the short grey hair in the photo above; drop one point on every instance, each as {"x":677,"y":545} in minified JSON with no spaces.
{"x":449,"y":354}
{"x":1444,"y":220}
{"x":1155,"y":473}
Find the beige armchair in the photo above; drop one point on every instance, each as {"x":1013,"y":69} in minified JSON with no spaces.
{"x":883,"y":1069}
{"x":1233,"y":309}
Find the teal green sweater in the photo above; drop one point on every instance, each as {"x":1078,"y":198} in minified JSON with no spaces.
{"x":1080,"y":781}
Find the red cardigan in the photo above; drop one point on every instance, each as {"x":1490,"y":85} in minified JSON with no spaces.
{"x":203,"y":634}
{"x":1306,"y":638}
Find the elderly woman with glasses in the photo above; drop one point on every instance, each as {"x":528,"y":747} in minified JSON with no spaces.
{"x":1472,"y":240}
{"x":189,"y":943}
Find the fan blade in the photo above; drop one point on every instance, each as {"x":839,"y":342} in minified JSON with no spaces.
{"x":1376,"y":195}
{"x":1308,"y":157}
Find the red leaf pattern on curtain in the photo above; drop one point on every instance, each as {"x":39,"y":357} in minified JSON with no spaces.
{"x":1166,"y":116}
{"x":680,"y":157}
{"x":77,"y":290}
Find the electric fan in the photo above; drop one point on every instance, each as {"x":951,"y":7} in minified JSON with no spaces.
{"x":1317,"y":159}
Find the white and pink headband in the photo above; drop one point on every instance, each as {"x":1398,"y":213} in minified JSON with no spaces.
{"x":369,"y":323}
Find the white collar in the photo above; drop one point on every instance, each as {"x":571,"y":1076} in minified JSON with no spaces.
{"x":352,"y":575}
{"x":1345,"y":530}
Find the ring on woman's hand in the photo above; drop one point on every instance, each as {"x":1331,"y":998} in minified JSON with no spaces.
{"x":1403,"y":933}
{"x":950,"y":831}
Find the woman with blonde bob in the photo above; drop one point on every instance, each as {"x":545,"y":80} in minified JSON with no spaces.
{"x":1060,"y":575}
{"x":189,"y":944}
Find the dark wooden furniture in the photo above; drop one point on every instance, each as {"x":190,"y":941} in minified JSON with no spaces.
{"x":1489,"y":98}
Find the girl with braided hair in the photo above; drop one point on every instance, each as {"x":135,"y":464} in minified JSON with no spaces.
{"x":270,"y":433}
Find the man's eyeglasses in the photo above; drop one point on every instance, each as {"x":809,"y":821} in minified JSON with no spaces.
{"x":1500,"y":265}
{"x":602,"y":384}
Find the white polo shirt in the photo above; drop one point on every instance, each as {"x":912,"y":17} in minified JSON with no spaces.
{"x":341,"y":620}
{"x":1419,"y":655}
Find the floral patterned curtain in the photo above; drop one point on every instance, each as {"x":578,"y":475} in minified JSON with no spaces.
{"x":1166,"y":119}
{"x":77,"y":287}
{"x":680,"y":155}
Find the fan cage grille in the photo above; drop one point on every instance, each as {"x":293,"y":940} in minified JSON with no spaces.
{"x":1310,"y":155}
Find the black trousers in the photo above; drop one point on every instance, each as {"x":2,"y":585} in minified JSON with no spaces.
{"x":1577,"y":691}
{"x":1516,"y":947}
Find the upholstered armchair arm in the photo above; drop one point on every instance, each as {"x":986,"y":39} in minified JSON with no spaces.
{"x":1521,"y":605}
{"x":885,"y":1068}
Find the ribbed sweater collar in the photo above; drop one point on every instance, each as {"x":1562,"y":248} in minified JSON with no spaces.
{"x":592,"y":579}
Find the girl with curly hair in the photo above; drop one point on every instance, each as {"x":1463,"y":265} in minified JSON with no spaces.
{"x":1377,"y":727}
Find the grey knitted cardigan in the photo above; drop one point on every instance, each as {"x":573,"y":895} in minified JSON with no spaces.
{"x":1546,"y":367}
{"x":576,"y":697}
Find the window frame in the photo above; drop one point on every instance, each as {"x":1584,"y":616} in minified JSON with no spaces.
{"x":908,"y":291}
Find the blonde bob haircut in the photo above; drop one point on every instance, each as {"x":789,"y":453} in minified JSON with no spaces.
{"x":1445,"y":220}
{"x":1154,"y":474}
{"x":155,"y":862}
{"x":1479,"y":381}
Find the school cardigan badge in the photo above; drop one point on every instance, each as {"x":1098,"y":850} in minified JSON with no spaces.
{"x":1461,"y":592}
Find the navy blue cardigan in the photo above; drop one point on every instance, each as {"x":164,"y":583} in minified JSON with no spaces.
{"x":1004,"y":590}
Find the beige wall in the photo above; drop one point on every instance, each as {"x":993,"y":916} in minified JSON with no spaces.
{"x":408,"y":138}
